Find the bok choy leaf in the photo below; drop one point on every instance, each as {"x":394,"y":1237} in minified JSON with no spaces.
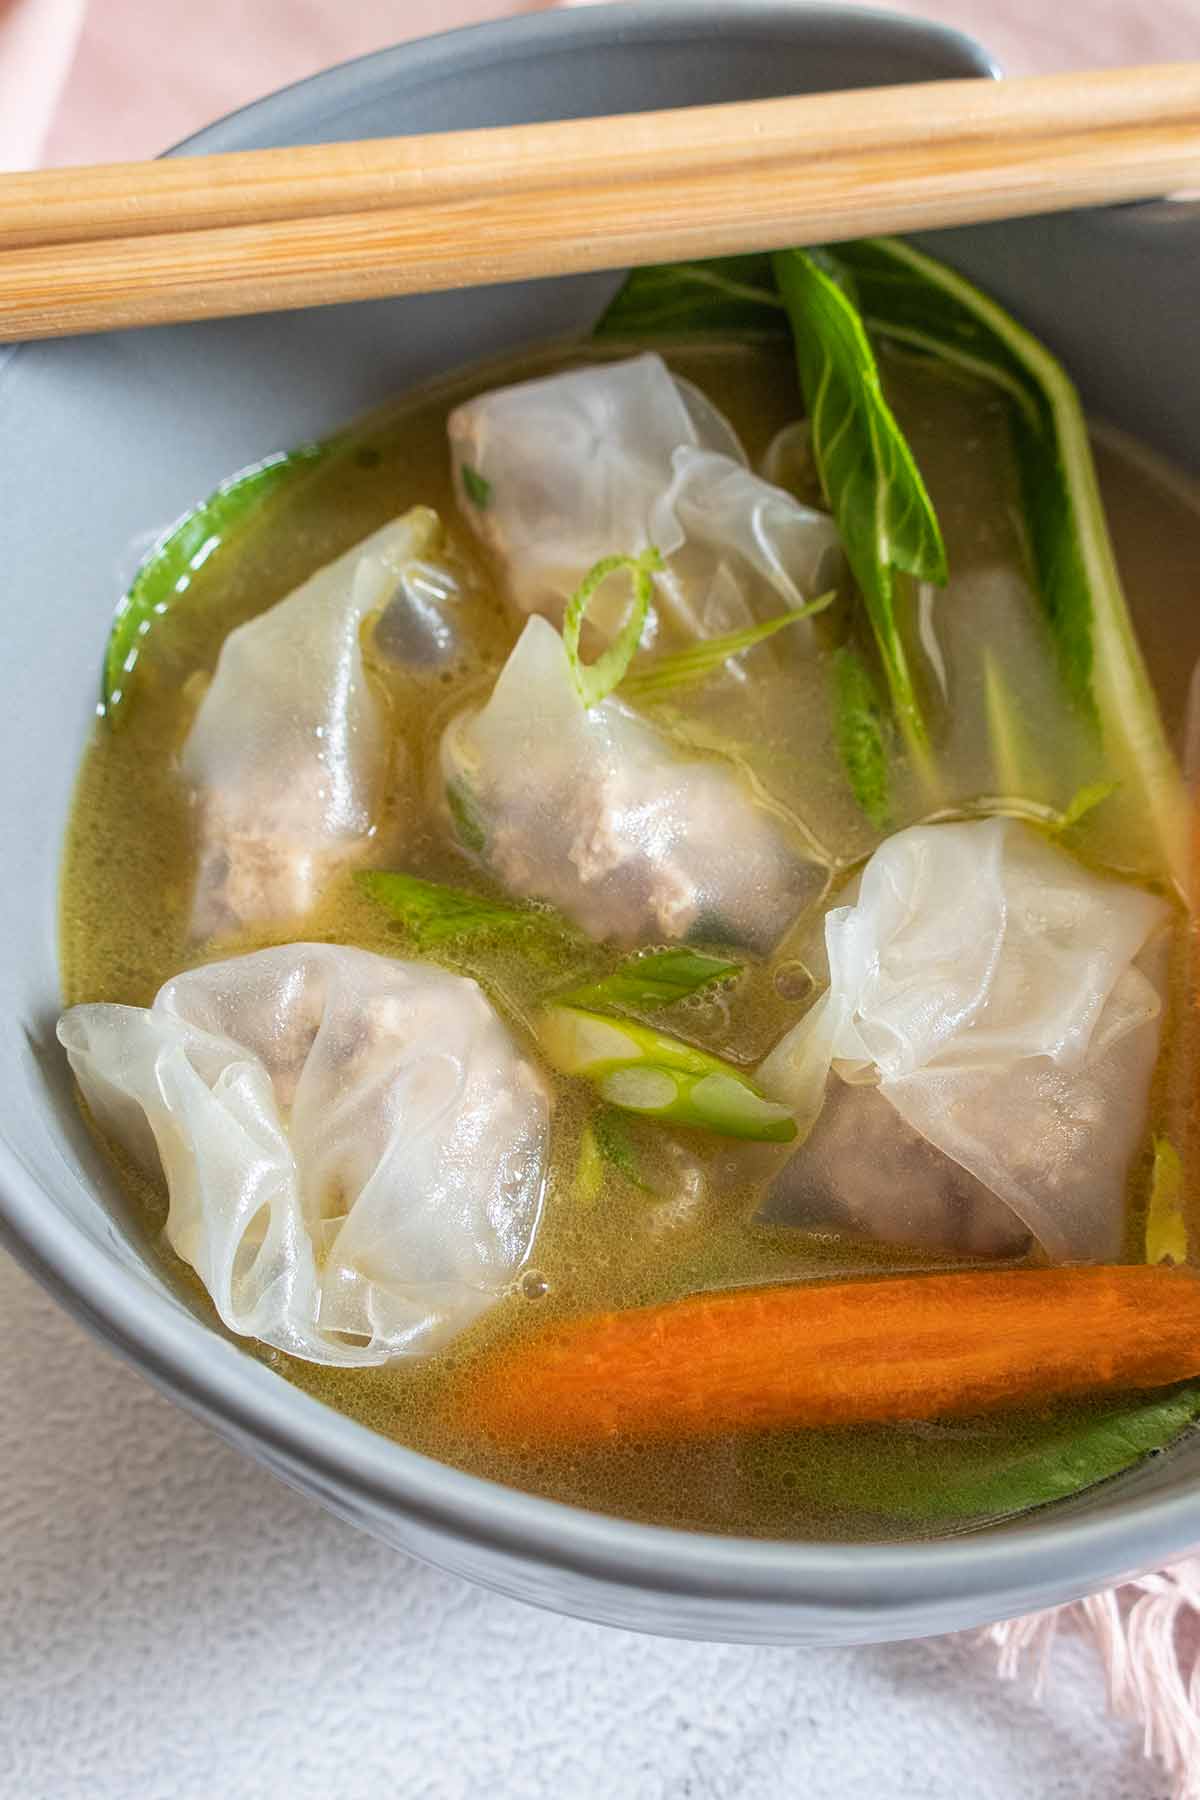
{"x":868,"y":473}
{"x":870,"y":479}
{"x":909,"y":299}
{"x":732,"y":295}
{"x":168,"y":570}
{"x":840,"y":303}
{"x":859,"y":729}
{"x":988,"y":1471}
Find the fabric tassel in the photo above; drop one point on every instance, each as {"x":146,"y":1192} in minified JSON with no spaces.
{"x":1148,"y":1636}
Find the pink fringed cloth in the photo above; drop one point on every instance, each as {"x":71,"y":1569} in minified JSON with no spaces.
{"x":1148,"y":1637}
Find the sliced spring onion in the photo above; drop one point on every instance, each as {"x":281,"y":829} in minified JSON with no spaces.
{"x":589,"y":1169}
{"x":436,"y":914}
{"x":1166,"y":1226}
{"x":644,"y":1071}
{"x":475,"y":486}
{"x":701,"y":660}
{"x":469,"y":828}
{"x":595,"y":681}
{"x":1085,"y":800}
{"x":656,"y":978}
{"x":611,"y":1132}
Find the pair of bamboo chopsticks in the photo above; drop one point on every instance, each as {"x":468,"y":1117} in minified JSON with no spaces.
{"x":199,"y":237}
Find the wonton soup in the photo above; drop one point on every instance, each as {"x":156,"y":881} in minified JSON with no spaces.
{"x":624,"y":921}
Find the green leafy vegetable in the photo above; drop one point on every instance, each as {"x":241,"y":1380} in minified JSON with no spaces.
{"x":873,"y":486}
{"x":435,"y":914}
{"x":867,"y":471}
{"x":469,"y":828}
{"x":477,"y":489}
{"x":911,"y":300}
{"x":988,"y":1471}
{"x":594,"y":681}
{"x":614,"y":1142}
{"x":1166,"y":1226}
{"x":702,"y":659}
{"x":168,"y":570}
{"x":645,"y":1071}
{"x":606,"y":1138}
{"x":860,"y":734}
{"x":657,"y":978}
{"x":731,"y":294}
{"x":1084,"y":801}
{"x":589,"y":1169}
{"x":839,"y":302}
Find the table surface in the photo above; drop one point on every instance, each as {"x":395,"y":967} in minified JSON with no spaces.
{"x":174,"y":1625}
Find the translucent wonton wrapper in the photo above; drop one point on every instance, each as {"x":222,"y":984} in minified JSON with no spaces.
{"x":618,"y":456}
{"x":288,"y":753}
{"x":865,"y":1172}
{"x":352,"y":1145}
{"x":1007,"y":1003}
{"x":598,"y":813}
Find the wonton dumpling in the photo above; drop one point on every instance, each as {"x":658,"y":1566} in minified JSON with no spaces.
{"x":598,"y":813}
{"x":288,"y":752}
{"x":1006,"y":1001}
{"x":864,"y":1171}
{"x":352,"y":1145}
{"x":617,"y":456}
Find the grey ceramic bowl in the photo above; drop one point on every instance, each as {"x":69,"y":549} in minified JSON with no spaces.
{"x":103,"y":439}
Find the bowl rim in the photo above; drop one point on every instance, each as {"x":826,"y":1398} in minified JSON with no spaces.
{"x":1003,"y":1568}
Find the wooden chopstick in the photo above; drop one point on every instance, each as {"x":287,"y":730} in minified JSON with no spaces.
{"x":198,"y":237}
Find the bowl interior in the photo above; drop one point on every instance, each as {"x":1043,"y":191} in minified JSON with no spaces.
{"x":106,"y":440}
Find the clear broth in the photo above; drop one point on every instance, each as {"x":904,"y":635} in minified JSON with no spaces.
{"x":126,"y":895}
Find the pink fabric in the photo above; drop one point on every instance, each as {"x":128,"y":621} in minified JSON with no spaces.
{"x":37,"y":46}
{"x":109,"y":80}
{"x":104,"y":80}
{"x":1148,"y":1637}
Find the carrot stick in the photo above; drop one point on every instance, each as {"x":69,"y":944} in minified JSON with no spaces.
{"x":841,"y":1353}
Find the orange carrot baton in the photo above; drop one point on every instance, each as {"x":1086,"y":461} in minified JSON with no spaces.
{"x":840,"y":1353}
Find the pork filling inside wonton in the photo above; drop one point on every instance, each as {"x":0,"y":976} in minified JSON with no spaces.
{"x":288,"y":755}
{"x":598,"y":813}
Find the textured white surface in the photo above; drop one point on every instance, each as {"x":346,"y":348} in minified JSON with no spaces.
{"x":174,"y":1625}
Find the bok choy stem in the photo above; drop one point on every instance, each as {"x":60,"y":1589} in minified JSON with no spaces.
{"x":842,"y":301}
{"x":912,"y":300}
